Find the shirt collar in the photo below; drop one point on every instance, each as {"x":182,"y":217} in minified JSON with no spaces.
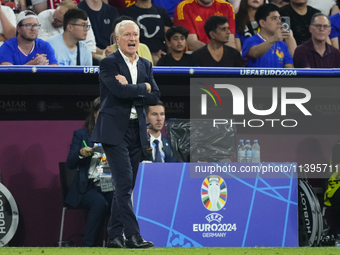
{"x":310,"y":47}
{"x":152,"y":138}
{"x":262,"y":38}
{"x":126,"y":59}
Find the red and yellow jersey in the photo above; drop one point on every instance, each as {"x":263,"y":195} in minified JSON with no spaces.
{"x":191,"y":15}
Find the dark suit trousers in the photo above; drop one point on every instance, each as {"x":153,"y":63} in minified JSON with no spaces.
{"x":124,"y":160}
{"x":98,"y":205}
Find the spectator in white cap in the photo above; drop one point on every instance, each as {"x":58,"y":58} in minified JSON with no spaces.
{"x":7,"y":24}
{"x":26,"y":48}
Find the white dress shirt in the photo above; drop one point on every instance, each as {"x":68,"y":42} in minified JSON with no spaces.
{"x":160,"y":145}
{"x":133,"y":72}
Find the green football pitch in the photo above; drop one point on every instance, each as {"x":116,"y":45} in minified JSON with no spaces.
{"x":175,"y":251}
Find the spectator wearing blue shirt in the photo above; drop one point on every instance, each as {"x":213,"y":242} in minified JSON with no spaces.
{"x":169,"y":5}
{"x":70,"y":48}
{"x":246,"y":26}
{"x":335,"y":32}
{"x":26,"y":48}
{"x":267,"y":48}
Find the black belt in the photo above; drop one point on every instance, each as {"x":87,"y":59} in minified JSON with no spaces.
{"x":133,"y":121}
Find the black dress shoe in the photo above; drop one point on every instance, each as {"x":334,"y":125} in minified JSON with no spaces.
{"x":118,"y":242}
{"x":136,"y":241}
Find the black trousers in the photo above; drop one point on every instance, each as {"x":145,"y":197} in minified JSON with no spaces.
{"x":98,"y":205}
{"x":124,"y":160}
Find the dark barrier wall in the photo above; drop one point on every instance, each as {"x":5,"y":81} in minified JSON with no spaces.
{"x":41,"y":107}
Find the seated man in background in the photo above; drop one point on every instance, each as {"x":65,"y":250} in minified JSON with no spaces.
{"x":153,"y":21}
{"x":316,"y":52}
{"x":70,"y":50}
{"x":52,"y":23}
{"x":142,"y":51}
{"x":26,"y":48}
{"x":7,"y":23}
{"x":193,"y":14}
{"x":216,"y":53}
{"x":161,"y":150}
{"x":101,"y":17}
{"x":267,"y":48}
{"x":300,"y":16}
{"x":177,"y":42}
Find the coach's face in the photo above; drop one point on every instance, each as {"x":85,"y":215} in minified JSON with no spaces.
{"x":128,"y":39}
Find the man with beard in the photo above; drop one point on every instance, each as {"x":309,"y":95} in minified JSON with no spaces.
{"x":216,"y":53}
{"x":177,"y":42}
{"x":26,"y":48}
{"x":316,"y":52}
{"x":300,"y":16}
{"x":70,"y":50}
{"x":161,"y":150}
{"x":52,"y":23}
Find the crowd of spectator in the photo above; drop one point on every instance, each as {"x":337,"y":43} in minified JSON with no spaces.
{"x":213,"y":33}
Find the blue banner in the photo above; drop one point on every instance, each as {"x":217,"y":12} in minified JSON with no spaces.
{"x":215,"y":71}
{"x":174,"y":210}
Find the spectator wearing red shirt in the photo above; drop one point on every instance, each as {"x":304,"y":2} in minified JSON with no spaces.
{"x":192,"y":14}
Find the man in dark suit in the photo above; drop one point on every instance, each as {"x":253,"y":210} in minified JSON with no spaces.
{"x":126,"y":85}
{"x":161,"y":150}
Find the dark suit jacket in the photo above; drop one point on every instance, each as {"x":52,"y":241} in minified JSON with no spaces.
{"x":117,"y":99}
{"x":167,"y":151}
{"x":81,"y":183}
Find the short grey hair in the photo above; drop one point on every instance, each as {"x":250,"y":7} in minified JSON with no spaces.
{"x":124,"y":23}
{"x":318,"y":14}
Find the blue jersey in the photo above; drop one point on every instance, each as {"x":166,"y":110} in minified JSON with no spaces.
{"x":11,"y":52}
{"x":169,"y":5}
{"x":277,"y":56}
{"x":335,"y":22}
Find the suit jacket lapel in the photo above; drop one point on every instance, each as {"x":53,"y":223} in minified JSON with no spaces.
{"x":140,"y":70}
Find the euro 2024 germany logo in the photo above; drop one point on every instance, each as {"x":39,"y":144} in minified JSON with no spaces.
{"x":214,"y":193}
{"x":214,"y":196}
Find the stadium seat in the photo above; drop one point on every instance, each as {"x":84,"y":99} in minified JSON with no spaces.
{"x":66,"y":177}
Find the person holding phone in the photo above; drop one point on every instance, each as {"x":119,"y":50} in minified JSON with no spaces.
{"x":270,"y":47}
